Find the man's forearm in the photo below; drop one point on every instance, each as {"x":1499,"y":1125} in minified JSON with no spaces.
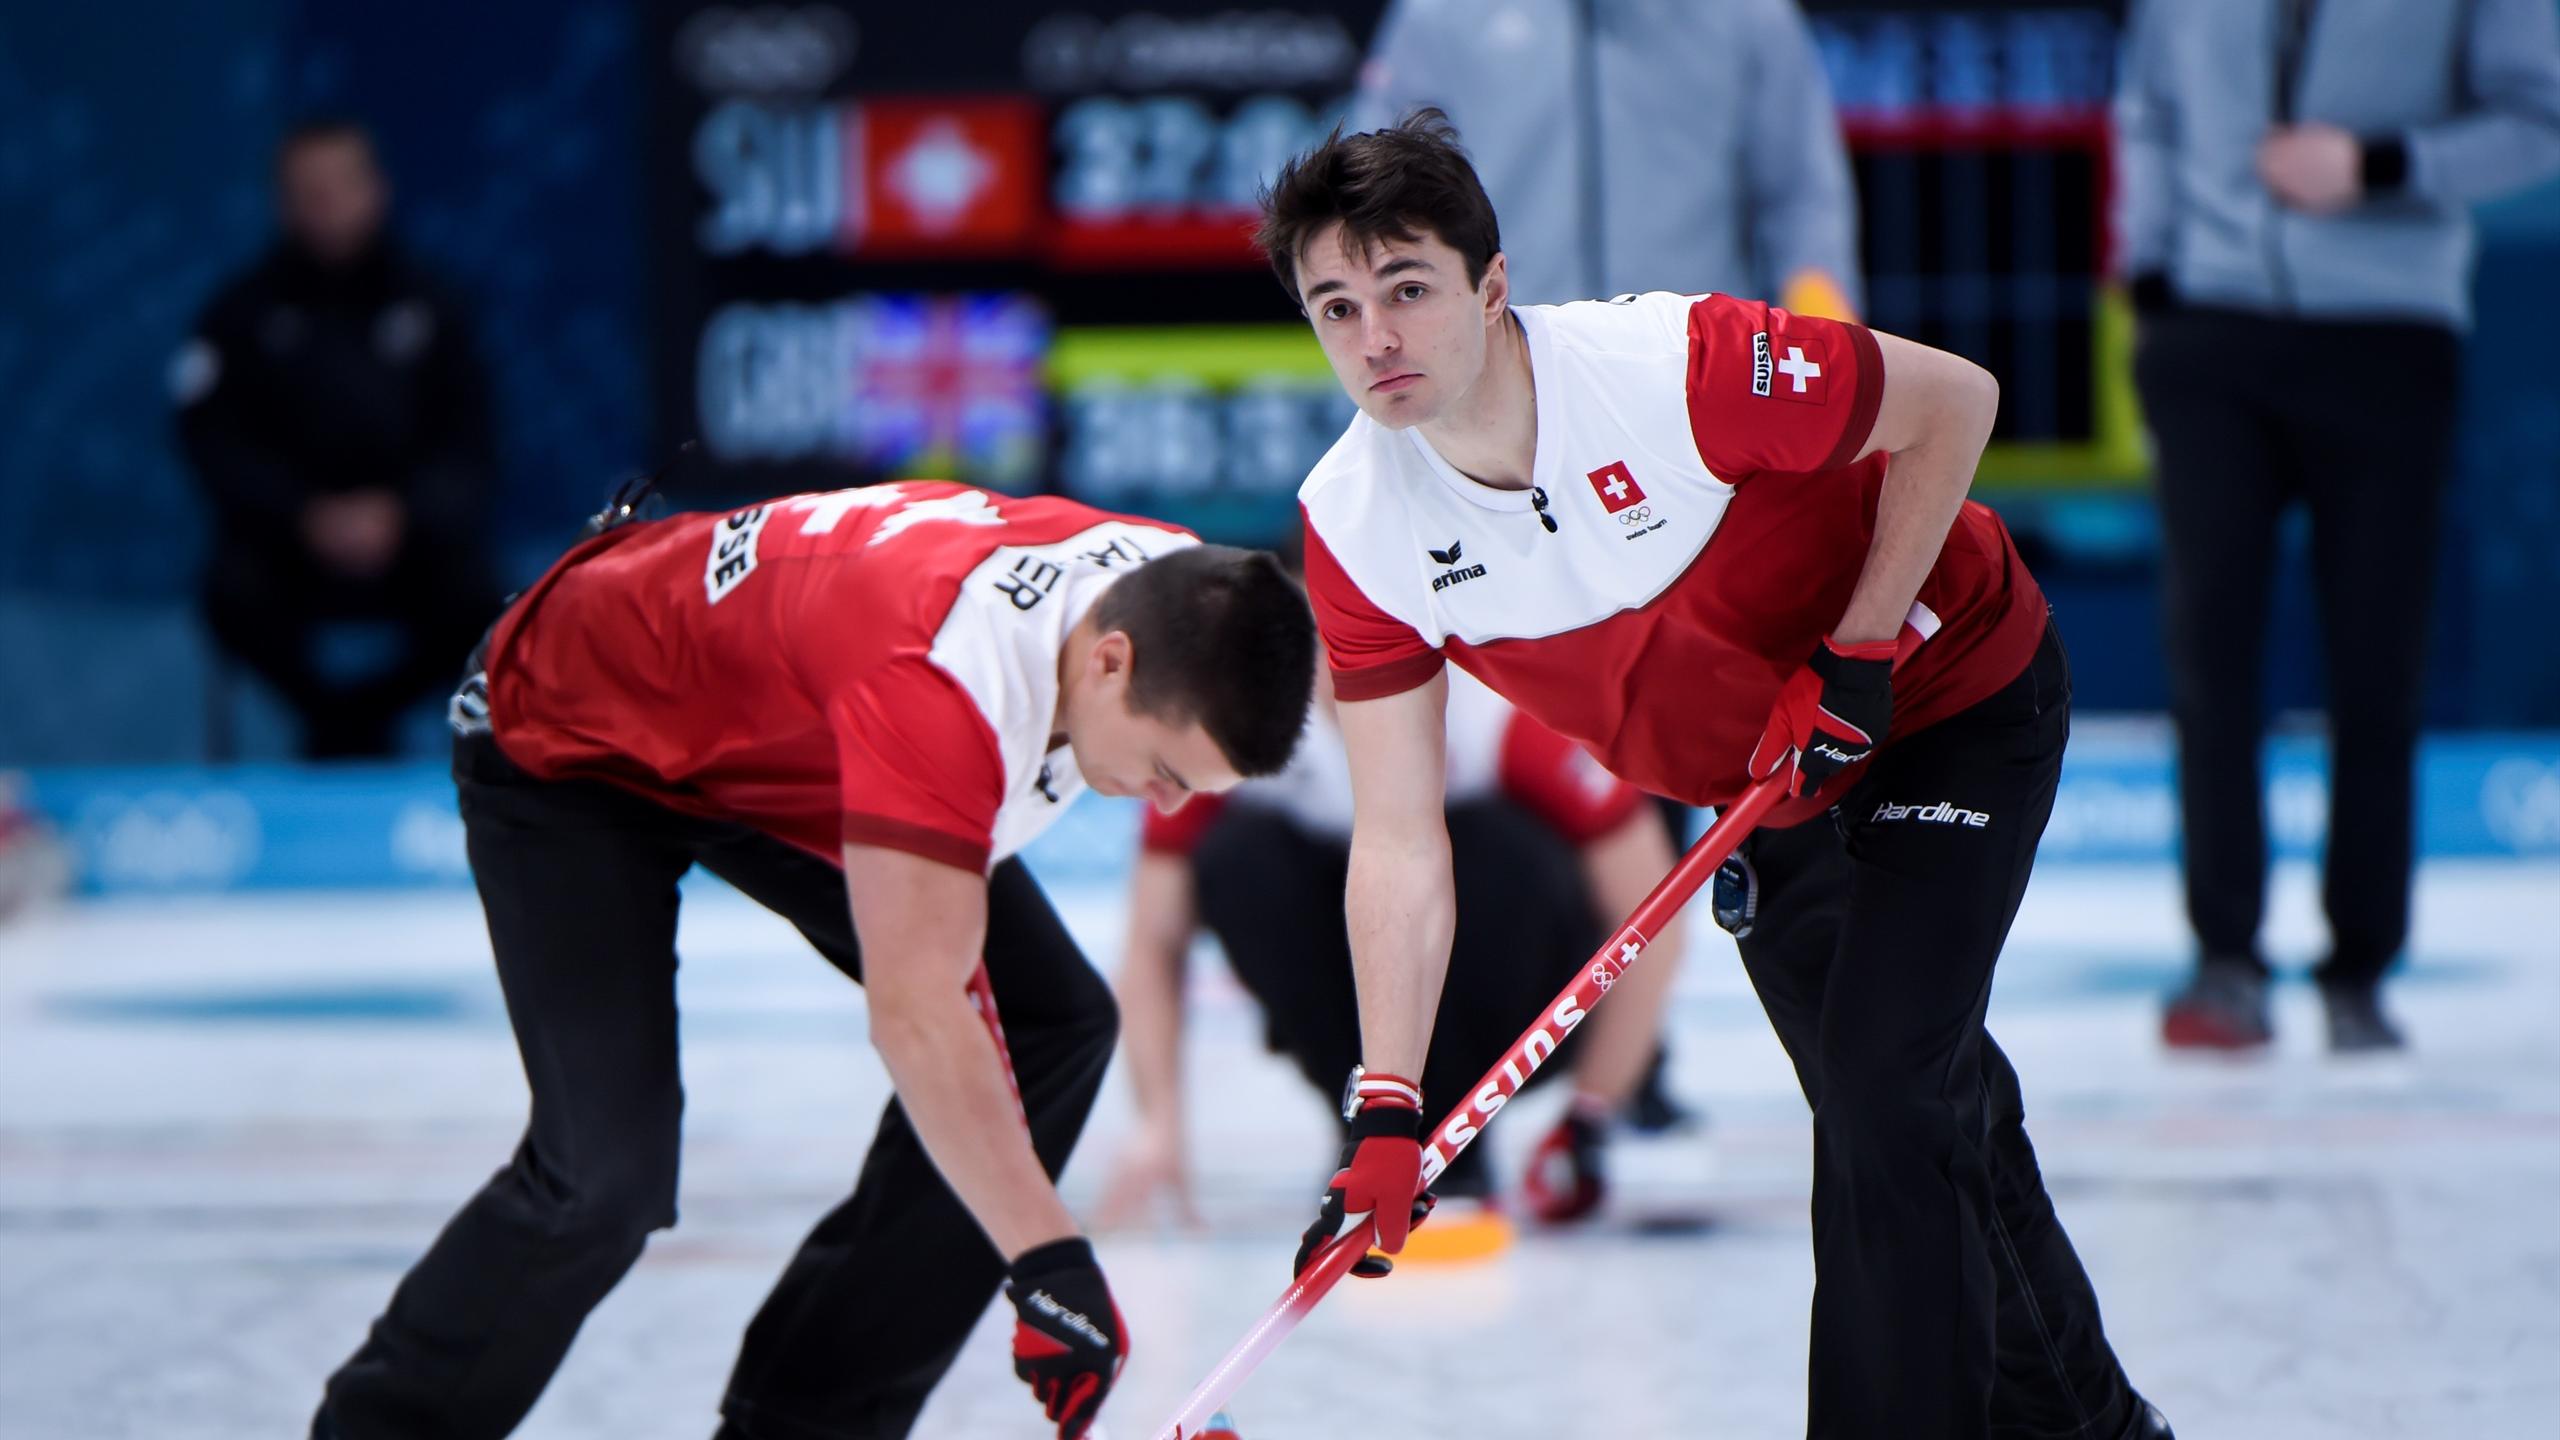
{"x":1151,"y":986}
{"x":1402,"y":909}
{"x":952,"y":1081}
{"x":1924,"y":488}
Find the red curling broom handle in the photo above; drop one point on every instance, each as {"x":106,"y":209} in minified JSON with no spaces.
{"x":1460,"y":1128}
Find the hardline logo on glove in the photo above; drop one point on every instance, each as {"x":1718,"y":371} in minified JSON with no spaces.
{"x":1075,"y":1320}
{"x":1828,"y":716}
{"x":1062,"y":1348}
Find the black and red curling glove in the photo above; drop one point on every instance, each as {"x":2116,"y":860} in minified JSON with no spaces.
{"x":1068,"y":1340}
{"x":1381,"y":1173}
{"x":1830,"y":715}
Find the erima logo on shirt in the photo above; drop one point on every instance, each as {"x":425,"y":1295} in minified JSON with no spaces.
{"x":1456,"y":576}
{"x":1942,"y":813}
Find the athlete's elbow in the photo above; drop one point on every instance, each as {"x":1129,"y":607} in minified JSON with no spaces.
{"x":895,"y":1033}
{"x":1974,"y":398}
{"x":906,"y":1021}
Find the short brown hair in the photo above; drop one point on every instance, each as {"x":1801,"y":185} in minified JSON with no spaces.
{"x":1390,"y":184}
{"x":1222,"y":636}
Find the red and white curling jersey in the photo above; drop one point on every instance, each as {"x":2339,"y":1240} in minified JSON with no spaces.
{"x":877,"y":665}
{"x":1696,"y":454}
{"x":1493,"y":750}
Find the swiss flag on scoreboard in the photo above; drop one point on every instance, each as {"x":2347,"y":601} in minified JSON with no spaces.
{"x":941,"y":176}
{"x":1616,"y":486}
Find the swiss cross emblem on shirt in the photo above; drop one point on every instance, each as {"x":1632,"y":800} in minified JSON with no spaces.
{"x":1616,"y":486}
{"x":1798,"y":367}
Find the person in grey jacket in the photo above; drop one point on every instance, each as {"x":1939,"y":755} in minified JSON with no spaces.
{"x":1634,"y":145}
{"x":2294,"y":228}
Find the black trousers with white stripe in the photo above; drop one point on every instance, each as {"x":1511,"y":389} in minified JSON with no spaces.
{"x":1948,"y":1301}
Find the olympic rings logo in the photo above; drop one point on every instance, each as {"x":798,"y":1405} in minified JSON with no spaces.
{"x":1637,"y":516}
{"x":2520,"y":801}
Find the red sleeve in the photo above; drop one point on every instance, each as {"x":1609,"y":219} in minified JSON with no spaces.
{"x":1558,"y":781}
{"x":1773,"y":390}
{"x":1372,"y":653}
{"x":1179,"y":833}
{"x":919,"y":766}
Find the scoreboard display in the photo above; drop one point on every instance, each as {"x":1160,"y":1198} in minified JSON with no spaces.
{"x":1009,"y":242}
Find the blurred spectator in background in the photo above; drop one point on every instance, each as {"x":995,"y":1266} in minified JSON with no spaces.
{"x":1548,"y":850}
{"x":2294,"y":227}
{"x":331,"y":405}
{"x":1635,"y":145}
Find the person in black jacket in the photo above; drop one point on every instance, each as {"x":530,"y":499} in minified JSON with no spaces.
{"x":330,"y":404}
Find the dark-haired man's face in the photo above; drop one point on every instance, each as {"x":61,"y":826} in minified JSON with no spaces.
{"x":1404,"y":330}
{"x":331,"y":197}
{"x":1122,"y":750}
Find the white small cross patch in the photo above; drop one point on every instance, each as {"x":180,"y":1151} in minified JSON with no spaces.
{"x":1617,"y":488}
{"x":1628,"y":952}
{"x":1797,"y":368}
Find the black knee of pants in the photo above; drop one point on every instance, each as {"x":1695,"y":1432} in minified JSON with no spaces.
{"x":1877,"y":1120}
{"x":455,"y":1355}
{"x":619,"y":1187}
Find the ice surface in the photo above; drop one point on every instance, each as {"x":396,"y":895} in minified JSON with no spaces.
{"x":226,"y":1126}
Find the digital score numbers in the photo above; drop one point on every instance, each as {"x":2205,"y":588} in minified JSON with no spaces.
{"x":1130,"y":183}
{"x":1225,"y":418}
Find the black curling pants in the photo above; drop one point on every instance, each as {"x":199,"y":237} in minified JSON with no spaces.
{"x":579,"y":883}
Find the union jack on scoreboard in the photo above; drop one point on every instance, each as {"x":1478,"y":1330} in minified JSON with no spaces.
{"x":947,"y":384}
